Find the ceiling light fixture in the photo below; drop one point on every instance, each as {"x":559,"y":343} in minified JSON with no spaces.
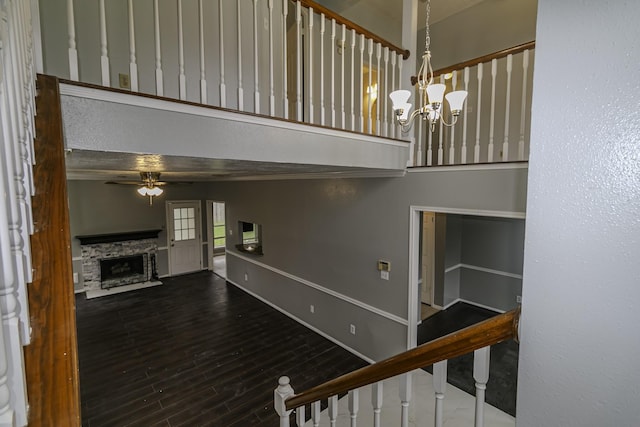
{"x":149,"y":188}
{"x":432,"y":94}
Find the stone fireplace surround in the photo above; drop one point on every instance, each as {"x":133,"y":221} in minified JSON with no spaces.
{"x":99,"y":246}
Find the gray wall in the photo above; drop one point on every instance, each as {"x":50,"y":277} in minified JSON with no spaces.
{"x":579,"y":347}
{"x":98,"y":208}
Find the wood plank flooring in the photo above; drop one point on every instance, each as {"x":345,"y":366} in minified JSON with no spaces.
{"x":195,"y":351}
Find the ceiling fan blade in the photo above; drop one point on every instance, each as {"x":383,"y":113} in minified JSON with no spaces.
{"x":125,"y":183}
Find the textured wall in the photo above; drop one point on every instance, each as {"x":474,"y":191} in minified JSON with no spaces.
{"x":579,"y":345}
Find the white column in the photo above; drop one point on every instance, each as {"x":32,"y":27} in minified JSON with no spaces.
{"x":223,"y":86}
{"x":463,"y":157}
{"x":492,"y":119}
{"x":376,"y":402}
{"x":476,"y":148}
{"x":523,"y":106}
{"x":299,"y":60}
{"x":378,"y":87}
{"x":203,"y":73}
{"x":182,"y":92}
{"x":505,"y":143}
{"x":384,"y":92}
{"x":333,"y":73}
{"x":239,"y":53}
{"x":256,"y":65}
{"x":285,"y":90}
{"x":300,"y":416}
{"x":322,"y":30}
{"x":272,"y":97}
{"x":315,"y":413}
{"x":439,"y":385}
{"x":332,"y":410}
{"x":133,"y":66}
{"x":354,"y":406}
{"x":156,"y":31}
{"x":409,"y":41}
{"x":406,"y":394}
{"x":311,"y":84}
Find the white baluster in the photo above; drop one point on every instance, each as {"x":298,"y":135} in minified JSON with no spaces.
{"x":182,"y":85}
{"x":406,"y":394}
{"x":332,"y":410}
{"x":378,"y":87}
{"x":333,"y":72}
{"x":360,"y":86}
{"x":104,"y":55}
{"x":419,"y":126}
{"x":299,"y":60}
{"x":322,"y":121}
{"x":342,"y":109}
{"x":376,"y":402}
{"x":203,"y":73}
{"x":272,"y":97}
{"x":239,"y":51}
{"x":315,"y":413}
{"x":133,"y":66}
{"x":73,"y":52}
{"x":285,"y":89}
{"x":300,"y":421}
{"x":523,"y":106}
{"x":441,"y":135}
{"x":452,"y":129}
{"x":492,"y":120}
{"x":385,"y":91}
{"x":369,"y":89}
{"x":256,"y":67}
{"x":400,"y":62}
{"x":439,"y":385}
{"x":353,"y":51}
{"x":156,"y":29}
{"x":505,"y":144}
{"x":481,"y":359}
{"x":430,"y":149}
{"x":280,"y":395}
{"x":476,"y":148}
{"x":311,"y":85}
{"x":223,"y":86}
{"x":393,"y":87}
{"x":354,"y":406}
{"x":463,"y":155}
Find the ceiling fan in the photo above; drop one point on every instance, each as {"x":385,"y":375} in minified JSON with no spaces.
{"x":149,"y":184}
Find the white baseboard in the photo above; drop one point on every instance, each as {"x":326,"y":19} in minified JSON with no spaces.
{"x":302,"y":322}
{"x":457,"y":300}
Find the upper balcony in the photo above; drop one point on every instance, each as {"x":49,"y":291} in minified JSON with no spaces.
{"x":266,"y":88}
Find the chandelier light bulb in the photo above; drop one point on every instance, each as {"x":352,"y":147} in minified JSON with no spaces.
{"x":399,"y":98}
{"x":456,"y":101}
{"x":435,"y":93}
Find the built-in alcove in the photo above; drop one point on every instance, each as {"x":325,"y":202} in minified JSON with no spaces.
{"x":251,"y":238}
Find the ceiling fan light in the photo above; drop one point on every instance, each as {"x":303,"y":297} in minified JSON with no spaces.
{"x":155,"y":191}
{"x":143,"y":191}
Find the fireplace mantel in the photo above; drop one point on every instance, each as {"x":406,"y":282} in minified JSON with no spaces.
{"x":118,"y":237}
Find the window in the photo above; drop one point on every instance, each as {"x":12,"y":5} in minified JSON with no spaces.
{"x":184,"y":224}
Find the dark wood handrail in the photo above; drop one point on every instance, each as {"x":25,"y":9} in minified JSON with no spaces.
{"x":482,"y":59}
{"x":492,"y":331}
{"x":353,"y":26}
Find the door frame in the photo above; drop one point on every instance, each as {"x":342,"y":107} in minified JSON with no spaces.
{"x":169,"y":228}
{"x":210,"y":236}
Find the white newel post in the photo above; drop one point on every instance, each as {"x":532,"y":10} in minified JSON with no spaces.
{"x":439,"y":385}
{"x":280,"y":395}
{"x":481,"y":360}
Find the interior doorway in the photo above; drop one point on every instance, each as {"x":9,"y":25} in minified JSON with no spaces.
{"x":427,"y":265}
{"x":217,"y":238}
{"x":184,"y":237}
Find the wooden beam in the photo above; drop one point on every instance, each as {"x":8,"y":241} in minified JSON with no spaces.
{"x":51,"y":359}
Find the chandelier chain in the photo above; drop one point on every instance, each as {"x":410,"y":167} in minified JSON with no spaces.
{"x":427,"y":37}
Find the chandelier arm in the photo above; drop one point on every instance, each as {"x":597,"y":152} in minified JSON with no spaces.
{"x":444,"y":122}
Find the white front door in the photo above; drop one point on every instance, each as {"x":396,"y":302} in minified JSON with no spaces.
{"x":183,"y":232}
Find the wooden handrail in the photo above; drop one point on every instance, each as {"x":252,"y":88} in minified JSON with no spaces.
{"x":352,"y":25}
{"x":482,"y":59}
{"x":492,"y":331}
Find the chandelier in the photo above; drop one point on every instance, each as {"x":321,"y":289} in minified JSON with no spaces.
{"x":149,"y":187}
{"x":431,"y":94}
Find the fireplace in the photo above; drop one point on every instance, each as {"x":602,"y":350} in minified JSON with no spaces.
{"x":123,"y":270}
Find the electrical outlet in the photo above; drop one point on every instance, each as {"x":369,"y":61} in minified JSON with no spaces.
{"x":124,"y":81}
{"x":518,"y":299}
{"x":230,"y":232}
{"x":384,"y":275}
{"x":246,"y":277}
{"x":352,"y":329}
{"x":312,"y":308}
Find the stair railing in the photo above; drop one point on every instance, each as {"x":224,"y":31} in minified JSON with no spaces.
{"x":290,"y":59}
{"x":495,"y":123}
{"x":477,"y":338}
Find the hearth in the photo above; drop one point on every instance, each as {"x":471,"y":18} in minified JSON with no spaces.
{"x":124,"y":270}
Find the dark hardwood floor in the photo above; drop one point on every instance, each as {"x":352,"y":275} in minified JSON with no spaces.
{"x":503,"y":369}
{"x":195,"y":351}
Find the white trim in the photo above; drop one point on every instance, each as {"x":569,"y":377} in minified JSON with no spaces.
{"x":457,"y":300}
{"x":302,"y":322}
{"x":96,"y":293}
{"x":484,"y":270}
{"x":162,"y":248}
{"x":371,"y":173}
{"x":76,"y":258}
{"x":320,"y":288}
{"x":204,"y":243}
{"x":414,"y":272}
{"x":165,"y":105}
{"x":464,"y":211}
{"x":470,"y":167}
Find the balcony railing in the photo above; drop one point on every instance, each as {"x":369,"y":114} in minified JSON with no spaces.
{"x":294,"y":60}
